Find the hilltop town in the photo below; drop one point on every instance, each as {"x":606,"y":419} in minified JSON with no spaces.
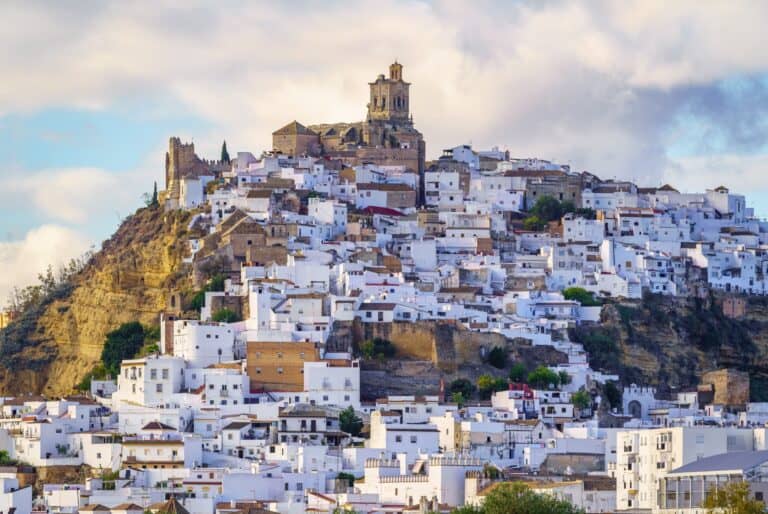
{"x":340,"y":325}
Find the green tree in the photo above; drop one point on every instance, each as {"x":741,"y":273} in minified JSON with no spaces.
{"x":487,"y":385}
{"x":154,"y":202}
{"x":518,"y":372}
{"x":152,"y":334}
{"x":732,"y":498}
{"x":517,"y":498}
{"x":612,"y":395}
{"x":224,"y":153}
{"x":543,"y":377}
{"x":497,"y":357}
{"x":122,"y":343}
{"x":534,"y":223}
{"x":5,"y":458}
{"x":567,"y":206}
{"x":586,"y":213}
{"x":463,"y":387}
{"x":350,"y":422}
{"x":349,"y":477}
{"x":581,"y":399}
{"x":378,"y":348}
{"x":565,"y":378}
{"x":547,"y":208}
{"x":581,"y":295}
{"x":225,"y":315}
{"x":216,"y":283}
{"x":458,"y":399}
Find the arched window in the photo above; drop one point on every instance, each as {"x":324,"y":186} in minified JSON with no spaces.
{"x":383,"y":102}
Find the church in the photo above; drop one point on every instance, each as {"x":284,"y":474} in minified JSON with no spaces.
{"x":387,"y":137}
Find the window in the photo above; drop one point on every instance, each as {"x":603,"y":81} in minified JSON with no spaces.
{"x":165,"y":374}
{"x":159,"y":388}
{"x":153,"y":374}
{"x":398,"y":439}
{"x":413,"y":439}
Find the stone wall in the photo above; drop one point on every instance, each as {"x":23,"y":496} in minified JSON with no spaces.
{"x":731,"y":386}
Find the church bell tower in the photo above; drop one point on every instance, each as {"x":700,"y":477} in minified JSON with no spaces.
{"x":389,"y":98}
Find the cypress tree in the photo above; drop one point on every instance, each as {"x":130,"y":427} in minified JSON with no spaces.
{"x":155,"y":203}
{"x":224,"y":153}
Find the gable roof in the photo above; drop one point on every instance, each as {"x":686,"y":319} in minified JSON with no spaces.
{"x":731,"y":461}
{"x":172,"y":506}
{"x":292,"y":129}
{"x":156,"y":425}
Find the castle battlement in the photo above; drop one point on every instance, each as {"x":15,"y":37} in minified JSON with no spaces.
{"x":455,"y":461}
{"x":634,"y":389}
{"x":399,"y":479}
{"x":381,"y":463}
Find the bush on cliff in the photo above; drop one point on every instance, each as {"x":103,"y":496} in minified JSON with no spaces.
{"x":122,"y":343}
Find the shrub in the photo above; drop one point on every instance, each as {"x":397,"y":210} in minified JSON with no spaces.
{"x":581,"y":295}
{"x":463,"y":387}
{"x":543,"y":377}
{"x":534,"y":224}
{"x":122,"y":343}
{"x":581,"y":399}
{"x":612,"y":395}
{"x":487,"y":385}
{"x":517,"y":498}
{"x":518,"y":373}
{"x":349,"y":477}
{"x":378,"y":348}
{"x":547,"y":209}
{"x":497,"y":357}
{"x":225,"y":315}
{"x":350,"y":422}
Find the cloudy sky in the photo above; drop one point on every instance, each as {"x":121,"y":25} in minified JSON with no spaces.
{"x":653,"y":91}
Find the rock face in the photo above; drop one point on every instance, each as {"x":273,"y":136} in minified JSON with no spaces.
{"x":130,"y":279}
{"x":430,"y":351}
{"x":670,"y":343}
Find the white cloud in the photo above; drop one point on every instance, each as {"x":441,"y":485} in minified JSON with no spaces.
{"x":46,"y":245}
{"x":744,"y":174}
{"x":556,"y":79}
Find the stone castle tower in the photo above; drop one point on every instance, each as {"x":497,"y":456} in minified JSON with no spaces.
{"x":389,"y":98}
{"x":180,"y":162}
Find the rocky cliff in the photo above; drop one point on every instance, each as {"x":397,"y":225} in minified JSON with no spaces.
{"x":51,"y":347}
{"x":671,"y":342}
